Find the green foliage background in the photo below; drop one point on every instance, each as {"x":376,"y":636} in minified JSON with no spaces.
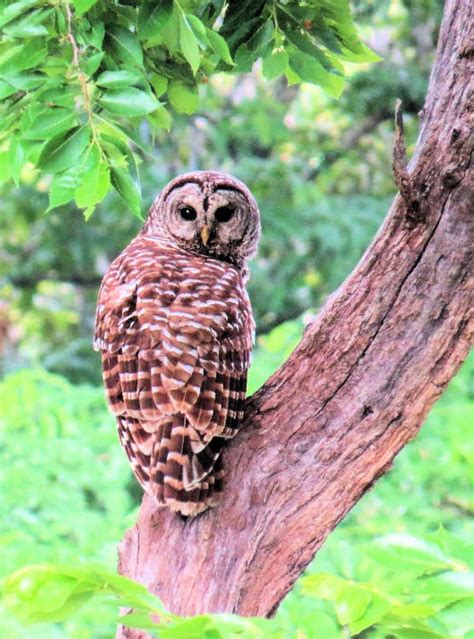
{"x":101,"y":103}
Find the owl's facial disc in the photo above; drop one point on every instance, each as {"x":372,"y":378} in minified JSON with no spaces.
{"x":210,"y":213}
{"x":212,"y":224}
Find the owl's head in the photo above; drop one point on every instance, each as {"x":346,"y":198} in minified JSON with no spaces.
{"x":207,"y":212}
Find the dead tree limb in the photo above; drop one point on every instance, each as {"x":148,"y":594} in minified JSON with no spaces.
{"x":353,"y":393}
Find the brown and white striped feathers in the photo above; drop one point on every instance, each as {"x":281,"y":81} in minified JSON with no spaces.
{"x":175,"y":329}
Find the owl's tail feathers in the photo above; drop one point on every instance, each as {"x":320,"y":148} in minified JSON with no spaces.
{"x":187,"y":481}
{"x":200,"y":497}
{"x":164,"y":460}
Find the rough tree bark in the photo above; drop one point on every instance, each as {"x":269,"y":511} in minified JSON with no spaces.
{"x":355,"y":390}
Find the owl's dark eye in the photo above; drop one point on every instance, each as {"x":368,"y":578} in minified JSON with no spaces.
{"x":224,"y":214}
{"x":188,"y":213}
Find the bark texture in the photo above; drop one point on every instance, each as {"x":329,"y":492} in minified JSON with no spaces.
{"x":352,"y":394}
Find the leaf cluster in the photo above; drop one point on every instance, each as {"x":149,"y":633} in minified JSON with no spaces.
{"x":417,"y":587}
{"x":78,"y":78}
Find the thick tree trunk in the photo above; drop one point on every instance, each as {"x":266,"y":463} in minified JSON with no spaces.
{"x":353,"y":393}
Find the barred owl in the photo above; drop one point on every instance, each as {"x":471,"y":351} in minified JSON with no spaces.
{"x":175,"y":329}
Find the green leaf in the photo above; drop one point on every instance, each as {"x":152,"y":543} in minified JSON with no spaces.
{"x":153,"y":17}
{"x":118,"y":79}
{"x":219,"y":45}
{"x":64,"y":150}
{"x":23,"y":57}
{"x":62,"y":189}
{"x":140,"y":620}
{"x":6,"y":89}
{"x":304,"y":43}
{"x":412,"y":610}
{"x":310,"y":70}
{"x":244,"y":59}
{"x":402,"y":552}
{"x":91,"y":64}
{"x":364,"y":54}
{"x":5,"y":166}
{"x":95,"y":36}
{"x":159,"y":83}
{"x":50,"y":592}
{"x":125,"y":45}
{"x":188,"y":44}
{"x":129,"y":102}
{"x":36,"y":593}
{"x":16,"y":159}
{"x":95,"y":184}
{"x":160,"y":119}
{"x":446,"y":588}
{"x":184,"y":98}
{"x":127,"y":189}
{"x":49,"y":123}
{"x":374,"y":612}
{"x":456,"y":547}
{"x":351,"y":603}
{"x":23,"y":81}
{"x":26,"y":30}
{"x":81,"y":6}
{"x":459,"y":617}
{"x":323,"y":585}
{"x":261,"y":37}
{"x":275,"y":64}
{"x":13,"y":10}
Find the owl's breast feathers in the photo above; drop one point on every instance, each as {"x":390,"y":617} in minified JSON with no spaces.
{"x":175,"y":331}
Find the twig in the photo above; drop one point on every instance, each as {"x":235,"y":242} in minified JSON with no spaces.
{"x":81,"y":77}
{"x":400,"y":171}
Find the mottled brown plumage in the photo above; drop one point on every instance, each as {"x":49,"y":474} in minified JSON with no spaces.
{"x":175,"y":329}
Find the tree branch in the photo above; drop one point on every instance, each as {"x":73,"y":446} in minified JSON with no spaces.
{"x":400,"y":170}
{"x":358,"y":387}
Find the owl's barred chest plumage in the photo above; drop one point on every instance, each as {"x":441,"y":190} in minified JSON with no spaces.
{"x":175,"y":330}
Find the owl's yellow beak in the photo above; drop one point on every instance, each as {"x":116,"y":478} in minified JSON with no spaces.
{"x":205,"y":233}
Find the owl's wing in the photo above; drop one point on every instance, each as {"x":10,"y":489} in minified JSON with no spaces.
{"x":177,"y":352}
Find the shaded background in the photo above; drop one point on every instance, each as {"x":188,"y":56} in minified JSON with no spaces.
{"x":320,"y":171}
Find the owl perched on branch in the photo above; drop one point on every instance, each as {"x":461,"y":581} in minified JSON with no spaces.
{"x":175,"y":328}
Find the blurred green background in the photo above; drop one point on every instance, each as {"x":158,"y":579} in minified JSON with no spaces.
{"x":320,"y":170}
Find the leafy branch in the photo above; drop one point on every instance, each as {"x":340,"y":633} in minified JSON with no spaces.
{"x":73,"y":112}
{"x":417,"y":586}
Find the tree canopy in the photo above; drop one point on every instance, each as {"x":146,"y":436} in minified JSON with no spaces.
{"x":77,"y":78}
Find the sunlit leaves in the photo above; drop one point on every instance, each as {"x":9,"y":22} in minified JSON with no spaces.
{"x":86,"y":61}
{"x":52,"y":593}
{"x":49,"y":592}
{"x":413,"y":581}
{"x":410,"y":554}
